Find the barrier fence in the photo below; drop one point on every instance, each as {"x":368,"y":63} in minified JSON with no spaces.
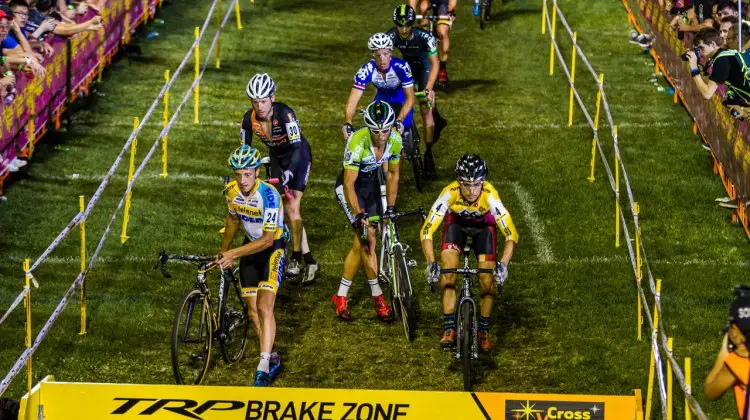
{"x":80,"y":218}
{"x":659,"y":342}
{"x":728,"y":137}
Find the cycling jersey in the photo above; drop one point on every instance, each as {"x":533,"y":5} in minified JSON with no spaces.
{"x":419,"y":45}
{"x":287,"y":147}
{"x":487,"y":208}
{"x":260,"y":211}
{"x":390,"y":86}
{"x":360,"y":153}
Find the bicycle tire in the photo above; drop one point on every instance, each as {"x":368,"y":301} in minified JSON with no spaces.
{"x":415,"y":158}
{"x":234,"y":325}
{"x":199,"y":360}
{"x":406,"y":300}
{"x":482,"y":6}
{"x":467,"y":337}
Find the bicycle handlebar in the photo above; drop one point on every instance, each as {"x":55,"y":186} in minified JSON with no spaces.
{"x":471,"y":271}
{"x":164,"y":257}
{"x":397,"y":215}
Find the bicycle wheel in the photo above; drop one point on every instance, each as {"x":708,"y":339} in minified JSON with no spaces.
{"x":415,"y":158}
{"x":467,"y":339}
{"x":191,"y":339}
{"x":407,"y":301}
{"x":482,"y":8}
{"x":234,"y":324}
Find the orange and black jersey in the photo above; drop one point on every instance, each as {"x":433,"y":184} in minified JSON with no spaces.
{"x":285,"y":136}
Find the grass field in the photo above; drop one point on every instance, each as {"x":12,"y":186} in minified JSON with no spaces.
{"x":567,"y":320}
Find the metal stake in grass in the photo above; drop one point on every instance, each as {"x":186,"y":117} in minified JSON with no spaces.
{"x":552,"y":41}
{"x":651,"y":368}
{"x":237,"y":13}
{"x":544,"y":17}
{"x":669,"y":380}
{"x":27,"y":304}
{"x":617,"y":193}
{"x":197,"y":92}
{"x":688,"y":378}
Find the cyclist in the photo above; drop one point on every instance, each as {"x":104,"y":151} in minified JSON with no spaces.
{"x":445,"y":10}
{"x":257,"y":205}
{"x":369,"y":151}
{"x":276,"y":125}
{"x":391,"y":77}
{"x":472,"y":209}
{"x":419,"y":49}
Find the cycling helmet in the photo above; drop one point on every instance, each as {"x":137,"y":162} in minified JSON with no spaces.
{"x":378,"y":41}
{"x":260,"y":86}
{"x":379,"y":116}
{"x":470,"y":168}
{"x":404,"y":15}
{"x":244,"y":157}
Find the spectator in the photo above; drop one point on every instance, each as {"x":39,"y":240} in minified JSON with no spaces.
{"x":732,"y":365}
{"x":700,"y":16}
{"x":45,"y":7}
{"x":726,"y":9}
{"x":20,"y":11}
{"x":727,"y":69}
{"x":728,"y":33}
{"x":25,"y":62}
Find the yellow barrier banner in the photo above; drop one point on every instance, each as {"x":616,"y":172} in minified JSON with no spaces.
{"x":61,"y":400}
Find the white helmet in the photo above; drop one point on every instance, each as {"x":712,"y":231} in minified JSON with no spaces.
{"x":379,"y":115}
{"x":260,"y":86}
{"x":378,"y":41}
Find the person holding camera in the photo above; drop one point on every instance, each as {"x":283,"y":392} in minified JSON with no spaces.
{"x":732,"y":366}
{"x":727,"y":68}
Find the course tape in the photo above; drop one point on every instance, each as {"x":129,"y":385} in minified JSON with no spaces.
{"x":631,"y":201}
{"x":15,"y":304}
{"x":5,"y":383}
{"x":105,"y":182}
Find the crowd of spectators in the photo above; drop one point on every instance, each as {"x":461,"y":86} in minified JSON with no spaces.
{"x":26,"y":30}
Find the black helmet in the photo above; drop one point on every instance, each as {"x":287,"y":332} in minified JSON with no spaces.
{"x":404,"y":15}
{"x":470,"y":168}
{"x":379,"y":116}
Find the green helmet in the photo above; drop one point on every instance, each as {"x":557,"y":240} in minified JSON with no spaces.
{"x":244,"y":157}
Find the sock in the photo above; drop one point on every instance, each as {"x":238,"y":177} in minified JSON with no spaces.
{"x":428,"y":149}
{"x":375,"y":287}
{"x":484,"y":323}
{"x":444,"y":65}
{"x":309,"y":260}
{"x":449,"y":321}
{"x":296,"y":255}
{"x":344,"y":287}
{"x":265,"y":357}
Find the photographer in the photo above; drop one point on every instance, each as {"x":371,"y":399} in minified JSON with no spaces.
{"x":727,"y":68}
{"x":732,"y":365}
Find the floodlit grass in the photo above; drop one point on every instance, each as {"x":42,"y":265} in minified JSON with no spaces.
{"x":565,"y":325}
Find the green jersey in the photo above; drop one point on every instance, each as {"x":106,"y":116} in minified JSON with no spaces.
{"x":360,"y":153}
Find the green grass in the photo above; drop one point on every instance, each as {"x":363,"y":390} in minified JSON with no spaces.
{"x":566,"y":326}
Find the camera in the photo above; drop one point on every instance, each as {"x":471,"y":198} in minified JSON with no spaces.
{"x":697,"y":52}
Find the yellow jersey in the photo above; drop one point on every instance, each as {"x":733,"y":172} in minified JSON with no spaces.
{"x":487,"y":207}
{"x":260,"y":211}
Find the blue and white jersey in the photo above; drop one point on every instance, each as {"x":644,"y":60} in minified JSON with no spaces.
{"x":390,"y":86}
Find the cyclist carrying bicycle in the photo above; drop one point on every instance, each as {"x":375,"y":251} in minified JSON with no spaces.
{"x":445,"y":12}
{"x":369,"y":151}
{"x":276,"y":125}
{"x":472,"y":209}
{"x":419,"y":49}
{"x":392,"y":79}
{"x":257,"y":206}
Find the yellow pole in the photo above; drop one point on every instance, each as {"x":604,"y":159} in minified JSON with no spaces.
{"x":126,"y":217}
{"x":650,"y":393}
{"x":82,"y":207}
{"x":544,"y":17}
{"x":593,"y":160}
{"x":638,"y":262}
{"x":197,"y":93}
{"x":669,"y":381}
{"x":218,"y":40}
{"x":164,"y":155}
{"x":27,"y":304}
{"x":552,"y":42}
{"x":687,"y":382}
{"x":237,"y":13}
{"x":598,"y":100}
{"x":640,"y":311}
{"x":572,"y":80}
{"x":617,"y":197}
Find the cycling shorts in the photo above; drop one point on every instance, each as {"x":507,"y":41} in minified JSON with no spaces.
{"x":420,"y":70}
{"x":396,"y":105}
{"x":367,"y":188}
{"x":483,"y":234}
{"x":263,"y":270}
{"x":281,"y":163}
{"x":440,"y":8}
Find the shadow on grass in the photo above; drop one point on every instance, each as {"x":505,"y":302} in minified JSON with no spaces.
{"x":468,"y":83}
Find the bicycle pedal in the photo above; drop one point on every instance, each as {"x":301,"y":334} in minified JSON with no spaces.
{"x":411,"y":263}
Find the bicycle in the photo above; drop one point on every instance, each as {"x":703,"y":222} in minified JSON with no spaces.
{"x":467,"y":344}
{"x":195,"y":332}
{"x":484,"y":12}
{"x":394,"y":271}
